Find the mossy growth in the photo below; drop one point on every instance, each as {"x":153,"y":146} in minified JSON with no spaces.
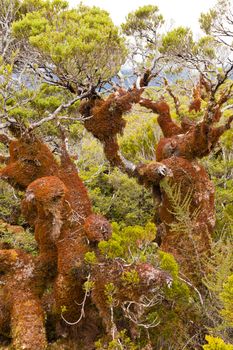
{"x":90,"y":258}
{"x":130,"y":277}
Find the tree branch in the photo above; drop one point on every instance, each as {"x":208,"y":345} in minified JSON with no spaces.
{"x":175,"y":98}
{"x":55,"y":114}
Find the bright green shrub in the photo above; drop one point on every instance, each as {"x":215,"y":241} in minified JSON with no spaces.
{"x":216,"y":344}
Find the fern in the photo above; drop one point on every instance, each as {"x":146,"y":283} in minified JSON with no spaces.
{"x":185,"y":219}
{"x":180,"y":206}
{"x":220,"y":265}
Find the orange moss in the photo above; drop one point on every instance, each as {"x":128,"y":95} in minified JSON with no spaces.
{"x":27,"y":322}
{"x":43,"y":208}
{"x":167,"y":125}
{"x":205,"y":85}
{"x":190,"y":251}
{"x":4,"y":316}
{"x":56,"y":205}
{"x":177,"y":151}
{"x":29,"y":160}
{"x":106,"y":115}
{"x":195,"y":105}
{"x":72,"y":244}
{"x":187,"y":124}
{"x":217,"y":114}
{"x":152,"y":173}
{"x":97,"y":228}
{"x":197,"y":142}
{"x":190,"y":179}
{"x":21,"y":301}
{"x":72,"y":247}
{"x":106,"y":119}
{"x":4,"y":139}
{"x":79,"y":201}
{"x":111,"y":149}
{"x":4,"y":160}
{"x":178,"y":154}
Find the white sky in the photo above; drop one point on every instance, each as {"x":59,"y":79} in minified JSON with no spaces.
{"x":177,"y":12}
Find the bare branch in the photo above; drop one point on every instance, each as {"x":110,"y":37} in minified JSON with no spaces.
{"x":4,"y":125}
{"x":82,"y":304}
{"x":175,"y":98}
{"x":227,"y":108}
{"x":192,"y":286}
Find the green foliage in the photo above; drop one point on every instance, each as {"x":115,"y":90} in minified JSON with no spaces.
{"x":180,"y":206}
{"x":134,"y":243}
{"x":144,"y":20}
{"x":129,"y":242}
{"x":117,"y":196}
{"x":179,"y":291}
{"x":32,"y":5}
{"x":220,"y":168}
{"x":142,"y":29}
{"x":205,"y":47}
{"x":140,"y":137}
{"x":215,"y":343}
{"x":48,"y":98}
{"x":227,"y":299}
{"x":168,"y":263}
{"x":15,"y":237}
{"x":130,"y":277}
{"x":206,"y":20}
{"x":178,"y":40}
{"x":88,"y":286}
{"x":218,"y":18}
{"x":23,"y":100}
{"x":81,"y":43}
{"x":14,"y":94}
{"x":90,"y":258}
{"x":121,"y":341}
{"x":220,"y":266}
{"x":9,"y":203}
{"x":110,"y":291}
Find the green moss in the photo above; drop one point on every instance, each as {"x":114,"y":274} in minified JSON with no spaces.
{"x":168,"y":263}
{"x":130,"y":277}
{"x":90,"y":258}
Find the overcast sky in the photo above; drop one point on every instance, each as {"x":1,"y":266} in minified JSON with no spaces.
{"x":179,"y":12}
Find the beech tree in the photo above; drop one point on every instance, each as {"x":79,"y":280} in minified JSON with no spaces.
{"x":93,"y":284}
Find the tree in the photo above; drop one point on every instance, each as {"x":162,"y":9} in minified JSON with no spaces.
{"x":83,"y":272}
